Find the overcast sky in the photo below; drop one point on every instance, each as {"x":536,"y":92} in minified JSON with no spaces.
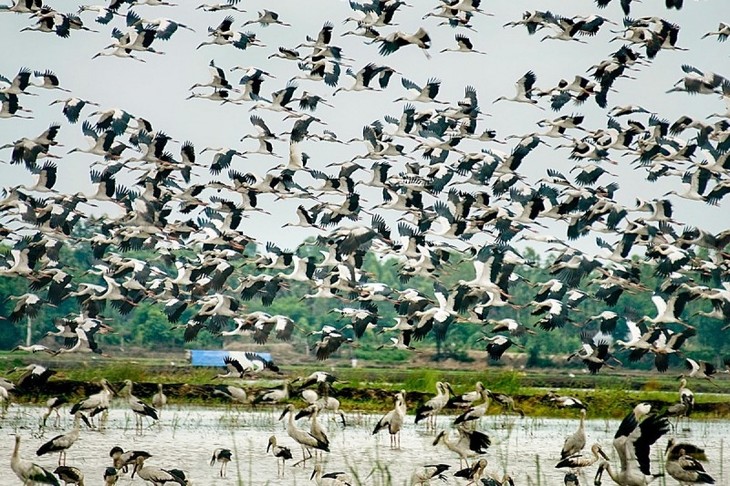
{"x":156,"y":90}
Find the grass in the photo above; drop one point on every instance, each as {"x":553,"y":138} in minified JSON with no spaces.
{"x":369,"y":389}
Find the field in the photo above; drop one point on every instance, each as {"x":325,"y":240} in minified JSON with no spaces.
{"x":608,"y":395}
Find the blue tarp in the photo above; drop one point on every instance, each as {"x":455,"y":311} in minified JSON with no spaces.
{"x":214,"y":357}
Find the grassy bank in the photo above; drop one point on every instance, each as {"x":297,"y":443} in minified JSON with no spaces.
{"x":370,"y":389}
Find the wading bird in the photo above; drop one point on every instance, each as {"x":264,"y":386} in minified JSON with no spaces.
{"x":29,"y":472}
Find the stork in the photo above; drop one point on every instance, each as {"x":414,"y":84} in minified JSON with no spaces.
{"x":61,"y":443}
{"x":279,"y":452}
{"x":302,"y":437}
{"x":393,"y":420}
{"x":29,"y":472}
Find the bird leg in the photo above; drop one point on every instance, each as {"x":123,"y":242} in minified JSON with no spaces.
{"x":303,"y":462}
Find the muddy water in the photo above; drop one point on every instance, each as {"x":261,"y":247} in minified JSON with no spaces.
{"x":525,"y":448}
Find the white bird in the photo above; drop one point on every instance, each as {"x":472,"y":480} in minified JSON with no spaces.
{"x":575,"y":442}
{"x":524,"y":87}
{"x":156,"y":475}
{"x":29,"y":472}
{"x":159,"y":399}
{"x":329,"y":479}
{"x":393,"y":420}
{"x":279,"y":452}
{"x":579,"y":460}
{"x":137,"y":406}
{"x":469,"y":444}
{"x":301,"y":436}
{"x":96,"y":403}
{"x":61,"y":443}
{"x":235,"y":393}
{"x":637,"y":433}
{"x":432,"y":407}
{"x":224,"y":457}
{"x":424,"y":474}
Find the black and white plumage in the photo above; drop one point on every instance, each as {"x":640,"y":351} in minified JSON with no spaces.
{"x":61,"y":443}
{"x":70,"y":475}
{"x":157,"y":475}
{"x":301,"y":436}
{"x":638,"y":431}
{"x":122,"y":460}
{"x":471,"y":443}
{"x":684,"y":467}
{"x":318,"y":378}
{"x":432,"y":407}
{"x":580,"y":460}
{"x":53,"y":405}
{"x":96,"y":403}
{"x":223,"y":456}
{"x":394,"y":420}
{"x":29,"y":472}
{"x":34,"y":376}
{"x":235,"y":393}
{"x":279,"y":452}
{"x":140,"y":408}
{"x":424,"y":474}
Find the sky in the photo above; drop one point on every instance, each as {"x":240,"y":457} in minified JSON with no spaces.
{"x":156,"y":89}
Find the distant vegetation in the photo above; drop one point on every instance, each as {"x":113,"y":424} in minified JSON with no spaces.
{"x":146,"y":327}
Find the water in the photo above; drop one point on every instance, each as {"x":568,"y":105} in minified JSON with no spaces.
{"x":185,"y":438}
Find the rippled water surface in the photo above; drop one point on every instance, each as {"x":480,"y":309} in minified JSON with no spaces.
{"x":525,"y":448}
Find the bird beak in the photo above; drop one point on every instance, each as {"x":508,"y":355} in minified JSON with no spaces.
{"x":603,"y":454}
{"x":283,"y":414}
{"x":314,"y":472}
{"x":135,"y":469}
{"x":268,"y":447}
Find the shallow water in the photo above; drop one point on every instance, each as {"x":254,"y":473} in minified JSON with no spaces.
{"x":526,"y":448}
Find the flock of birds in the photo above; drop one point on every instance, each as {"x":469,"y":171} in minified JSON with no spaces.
{"x":637,"y":433}
{"x":467,"y":201}
{"x":430,"y":166}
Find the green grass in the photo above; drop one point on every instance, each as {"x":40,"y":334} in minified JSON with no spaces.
{"x":370,"y":388}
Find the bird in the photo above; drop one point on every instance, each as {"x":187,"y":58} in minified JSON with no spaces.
{"x":137,"y":406}
{"x":53,"y":404}
{"x":393,"y":420}
{"x":395,"y":40}
{"x":266,"y":18}
{"x":157,"y":475}
{"x":432,"y":407}
{"x":329,"y":479}
{"x":96,"y":403}
{"x":223,"y":456}
{"x":722,"y":32}
{"x":301,"y":436}
{"x":317,"y":378}
{"x":61,"y":443}
{"x":70,"y":475}
{"x":425,"y":94}
{"x":638,"y":431}
{"x":111,"y":476}
{"x":273,"y":396}
{"x":686,"y":469}
{"x":424,"y":474}
{"x":524,"y":87}
{"x":29,"y":472}
{"x":471,"y":443}
{"x":577,"y":460}
{"x":159,"y":399}
{"x":122,"y":460}
{"x":575,"y":442}
{"x":35,"y":376}
{"x":279,"y":452}
{"x":464,"y":45}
